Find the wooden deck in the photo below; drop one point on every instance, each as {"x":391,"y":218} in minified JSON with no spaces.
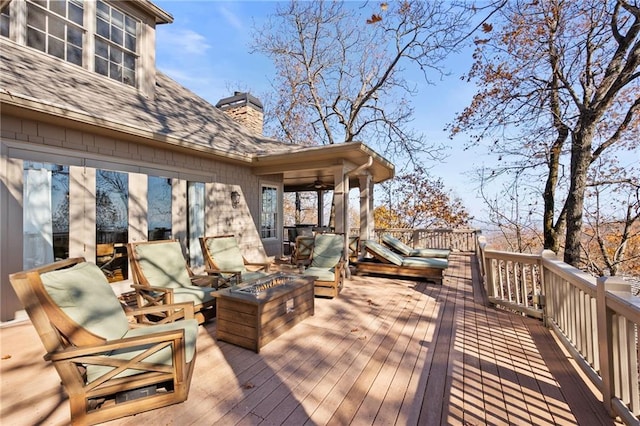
{"x":385,"y":352}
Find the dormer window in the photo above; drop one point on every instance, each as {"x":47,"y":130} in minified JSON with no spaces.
{"x":56,"y":27}
{"x":116,"y":35}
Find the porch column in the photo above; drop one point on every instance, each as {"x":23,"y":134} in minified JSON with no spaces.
{"x":341,"y":200}
{"x":366,"y":207}
{"x":321,"y":208}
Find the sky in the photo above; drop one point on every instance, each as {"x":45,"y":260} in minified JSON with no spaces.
{"x":207,"y":49}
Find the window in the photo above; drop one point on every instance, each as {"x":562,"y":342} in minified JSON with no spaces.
{"x":159,"y":208}
{"x":195,"y":222}
{"x":116,"y":35}
{"x":4,"y":22}
{"x":112,"y":223}
{"x":45,"y":213}
{"x":269,"y":212}
{"x":55,"y":27}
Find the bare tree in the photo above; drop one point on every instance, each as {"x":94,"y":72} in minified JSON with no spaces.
{"x":341,"y":68}
{"x":559,"y":84}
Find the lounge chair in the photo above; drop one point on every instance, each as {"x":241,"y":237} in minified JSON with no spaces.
{"x":109,"y":366}
{"x":327,"y":264}
{"x":161,"y":276}
{"x":223,"y":256}
{"x":403,"y":249}
{"x":386,"y":262}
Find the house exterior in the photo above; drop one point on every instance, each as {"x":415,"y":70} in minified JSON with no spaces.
{"x":98,"y":147}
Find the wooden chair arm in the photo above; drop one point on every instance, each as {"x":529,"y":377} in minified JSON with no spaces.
{"x":129,"y":342}
{"x":204,"y":280}
{"x":148,"y":288}
{"x":261,"y":266}
{"x":176,"y":311}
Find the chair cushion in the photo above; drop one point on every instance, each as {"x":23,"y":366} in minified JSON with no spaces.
{"x":383,"y":252}
{"x":190,"y":327}
{"x":396,"y":244}
{"x":425,"y":262}
{"x":226,"y":254}
{"x":430,"y":252}
{"x":192,"y":293}
{"x":327,"y":250}
{"x":83,"y":293}
{"x":163,"y":264}
{"x":321,"y":274}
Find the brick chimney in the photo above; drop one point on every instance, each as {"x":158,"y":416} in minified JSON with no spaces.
{"x":245,"y":109}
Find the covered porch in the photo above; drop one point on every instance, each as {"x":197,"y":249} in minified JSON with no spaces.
{"x":387,"y":351}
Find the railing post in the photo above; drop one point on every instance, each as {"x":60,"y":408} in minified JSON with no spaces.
{"x":545,"y":254}
{"x":607,"y":345}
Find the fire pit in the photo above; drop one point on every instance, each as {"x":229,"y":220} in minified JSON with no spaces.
{"x":254,"y":313}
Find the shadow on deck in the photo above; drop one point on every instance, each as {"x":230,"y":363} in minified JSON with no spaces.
{"x":386,"y":351}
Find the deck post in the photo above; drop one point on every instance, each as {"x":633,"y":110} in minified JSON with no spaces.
{"x":608,"y":344}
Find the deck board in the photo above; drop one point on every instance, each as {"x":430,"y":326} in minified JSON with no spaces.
{"x":386,"y":351}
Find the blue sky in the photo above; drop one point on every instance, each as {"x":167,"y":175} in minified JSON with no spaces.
{"x":206,"y":49}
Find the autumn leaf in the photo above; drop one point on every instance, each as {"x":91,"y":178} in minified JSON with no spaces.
{"x":248,"y":385}
{"x":374,"y":18}
{"x":487,"y":28}
{"x":384,"y":6}
{"x":6,"y":356}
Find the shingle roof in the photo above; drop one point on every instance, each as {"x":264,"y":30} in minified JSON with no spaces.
{"x":174,"y":112}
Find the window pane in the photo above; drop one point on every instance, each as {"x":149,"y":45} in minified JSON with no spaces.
{"x":102,"y":66}
{"x":129,"y":61}
{"x":112,"y":223}
{"x":102,"y":28}
{"x":129,"y":77}
{"x":115,"y":71}
{"x":115,"y":55}
{"x":116,"y":35}
{"x":35,"y":39}
{"x":102,"y":49}
{"x":4,"y":25}
{"x":56,"y":47}
{"x":130,"y":25}
{"x":59,"y":7}
{"x":117,"y":18}
{"x":75,"y":13}
{"x":74,"y":55}
{"x":195,"y":202}
{"x":74,"y":36}
{"x":56,"y":27}
{"x":130,"y":42}
{"x":45,"y":213}
{"x":159,"y":208}
{"x":102,"y":10}
{"x":36,"y":18}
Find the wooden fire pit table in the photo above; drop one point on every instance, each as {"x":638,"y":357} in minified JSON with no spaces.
{"x":252,"y":314}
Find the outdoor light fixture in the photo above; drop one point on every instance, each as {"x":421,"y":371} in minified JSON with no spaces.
{"x":235,"y":199}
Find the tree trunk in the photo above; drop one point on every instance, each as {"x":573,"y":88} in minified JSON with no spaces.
{"x":580,"y":161}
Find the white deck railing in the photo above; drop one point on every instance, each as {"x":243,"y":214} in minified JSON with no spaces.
{"x":463,"y":240}
{"x":595,"y":318}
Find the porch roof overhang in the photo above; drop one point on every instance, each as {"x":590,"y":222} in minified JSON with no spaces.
{"x":302,"y":167}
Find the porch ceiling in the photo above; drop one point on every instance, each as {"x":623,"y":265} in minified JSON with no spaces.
{"x":303,"y":167}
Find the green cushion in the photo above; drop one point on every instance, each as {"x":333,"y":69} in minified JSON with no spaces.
{"x":396,"y":244}
{"x":163,"y":264}
{"x":83,"y":293}
{"x":405,"y":250}
{"x":321,"y":274}
{"x":192,"y":293}
{"x":383,"y":252}
{"x":226,"y":253}
{"x":426,"y":262}
{"x":161,"y":357}
{"x":327,"y":250}
{"x":430,"y":252}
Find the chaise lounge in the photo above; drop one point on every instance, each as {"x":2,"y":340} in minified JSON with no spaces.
{"x":401,"y":248}
{"x":386,"y":262}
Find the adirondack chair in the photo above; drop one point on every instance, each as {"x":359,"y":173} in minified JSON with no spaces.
{"x":110,"y":367}
{"x":223,"y":256}
{"x":327,"y":264}
{"x":161,"y":276}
